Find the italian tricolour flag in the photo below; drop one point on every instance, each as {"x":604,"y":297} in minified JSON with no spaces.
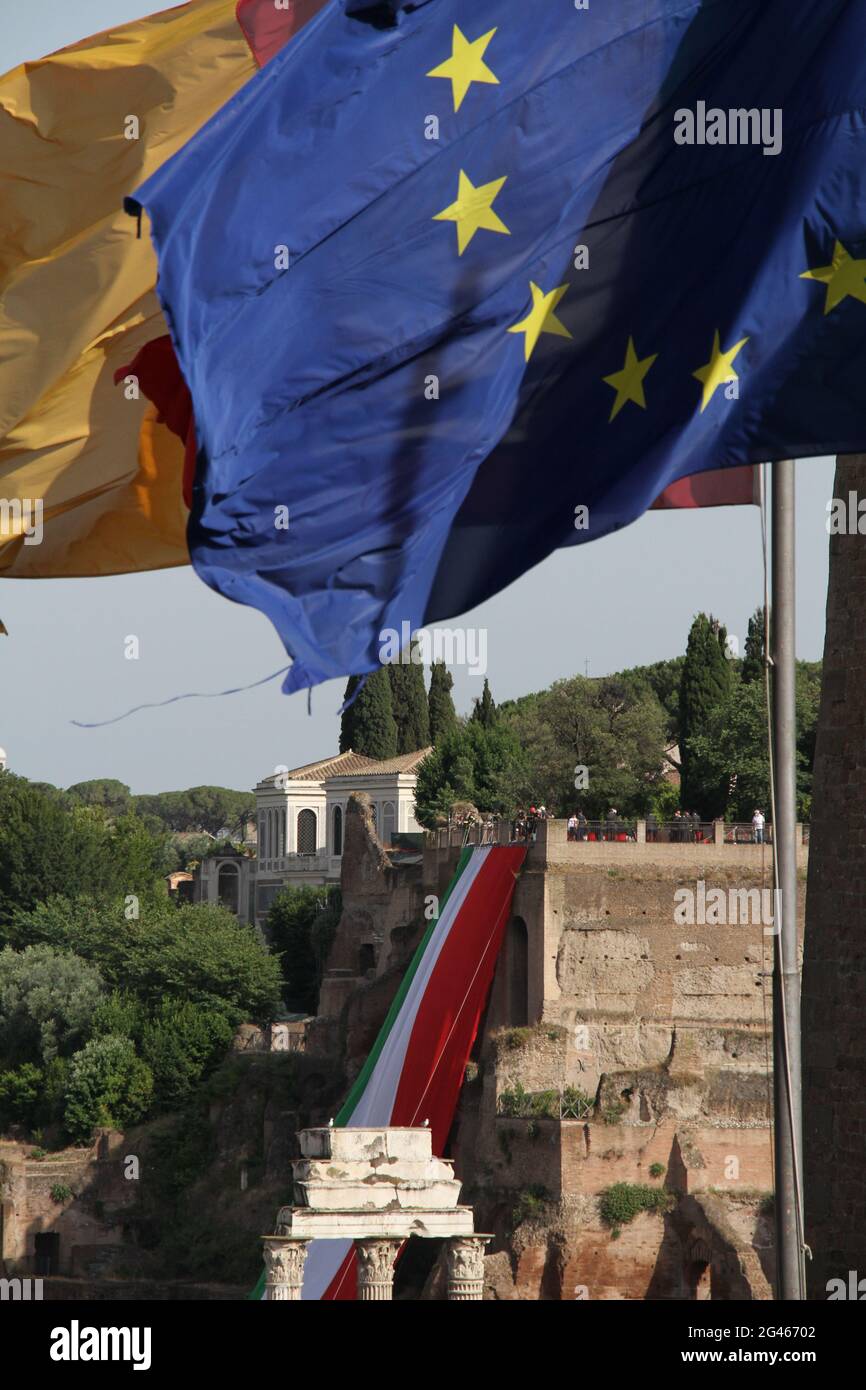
{"x":415,"y":1069}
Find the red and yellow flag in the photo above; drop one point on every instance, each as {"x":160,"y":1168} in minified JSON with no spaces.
{"x":78,"y":130}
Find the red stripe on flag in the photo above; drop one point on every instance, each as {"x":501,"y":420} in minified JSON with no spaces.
{"x":266,"y":28}
{"x":448,"y":1016}
{"x":720,"y":487}
{"x":449,"y":1013}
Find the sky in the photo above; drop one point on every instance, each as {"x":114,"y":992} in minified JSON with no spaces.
{"x":623,"y":601}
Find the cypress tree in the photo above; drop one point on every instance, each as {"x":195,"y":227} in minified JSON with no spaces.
{"x":368,"y":725}
{"x":484,"y":712}
{"x":409,"y":702}
{"x":443,"y":716}
{"x":705,"y":684}
{"x":753,"y":656}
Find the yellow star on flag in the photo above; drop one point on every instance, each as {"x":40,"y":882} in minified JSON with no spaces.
{"x":719,"y":371}
{"x":473,"y":210}
{"x":466,"y":64}
{"x":541,"y":318}
{"x":628,"y":383}
{"x":843,"y":277}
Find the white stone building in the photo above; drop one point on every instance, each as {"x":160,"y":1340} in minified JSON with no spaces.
{"x":300,"y":817}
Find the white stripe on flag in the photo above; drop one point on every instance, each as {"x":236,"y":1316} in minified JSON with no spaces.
{"x":376,"y":1105}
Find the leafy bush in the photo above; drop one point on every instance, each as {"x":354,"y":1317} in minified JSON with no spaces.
{"x":108,"y":1085}
{"x":61,"y":1193}
{"x":656,"y":1170}
{"x":301,"y":925}
{"x":180,"y":1044}
{"x":47,"y":1001}
{"x":531,"y":1204}
{"x":622,"y":1202}
{"x":119,"y":1013}
{"x":20,"y":1093}
{"x":576,"y":1104}
{"x":517,"y":1103}
{"x":197,"y":953}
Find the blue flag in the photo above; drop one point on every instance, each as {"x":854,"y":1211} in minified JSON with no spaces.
{"x":457,"y":282}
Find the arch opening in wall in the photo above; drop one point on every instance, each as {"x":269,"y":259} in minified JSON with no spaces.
{"x":338,"y":830}
{"x":699,"y":1272}
{"x":389,"y":822}
{"x":307,"y":828}
{"x":517,"y":973}
{"x":228,"y":886}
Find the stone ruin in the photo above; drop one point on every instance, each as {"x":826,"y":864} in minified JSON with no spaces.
{"x":375,"y":1187}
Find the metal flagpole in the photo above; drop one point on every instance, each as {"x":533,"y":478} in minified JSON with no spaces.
{"x":787,"y":1082}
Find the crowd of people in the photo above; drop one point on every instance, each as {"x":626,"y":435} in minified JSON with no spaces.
{"x":525,"y":823}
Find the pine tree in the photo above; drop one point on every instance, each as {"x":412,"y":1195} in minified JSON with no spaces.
{"x":409,"y":702}
{"x":347,"y":721}
{"x":443,"y":716}
{"x":484,"y":712}
{"x":368,"y":725}
{"x":705,"y":685}
{"x":753,"y":656}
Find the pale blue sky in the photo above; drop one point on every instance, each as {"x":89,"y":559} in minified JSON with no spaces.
{"x":623,"y":601}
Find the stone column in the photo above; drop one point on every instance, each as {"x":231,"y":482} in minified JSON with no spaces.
{"x":376,"y":1256}
{"x":466,"y":1268}
{"x":285,"y":1257}
{"x":834,"y":981}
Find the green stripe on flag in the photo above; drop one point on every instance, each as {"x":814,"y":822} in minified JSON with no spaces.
{"x":345,"y":1113}
{"x":347,"y":1109}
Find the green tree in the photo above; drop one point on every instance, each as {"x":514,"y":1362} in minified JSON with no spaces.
{"x":368,"y":725}
{"x":301,"y":924}
{"x":195,"y":952}
{"x":661,"y":679}
{"x":753,"y":655}
{"x":590,"y":743}
{"x":473,"y":763}
{"x":21,"y":1093}
{"x":484,"y":712}
{"x":180,"y":1044}
{"x":120,"y":1013}
{"x":47,"y":1000}
{"x":409,"y":705}
{"x":113,"y":796}
{"x":46,"y":849}
{"x":732,"y":750}
{"x":705,"y":686}
{"x":210,"y":809}
{"x":108,"y":1085}
{"x":440,"y":704}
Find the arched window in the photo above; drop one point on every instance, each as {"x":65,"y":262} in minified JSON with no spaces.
{"x":228,"y":882}
{"x":272,"y":834}
{"x":263,"y":837}
{"x":389,"y":822}
{"x":282,"y":848}
{"x":307,"y":836}
{"x":338,"y":830}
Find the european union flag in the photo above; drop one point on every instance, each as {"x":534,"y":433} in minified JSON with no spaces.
{"x":457,"y":282}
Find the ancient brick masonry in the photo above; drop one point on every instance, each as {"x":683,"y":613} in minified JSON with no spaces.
{"x":834,"y":974}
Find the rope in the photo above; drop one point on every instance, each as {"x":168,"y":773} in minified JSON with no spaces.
{"x":192,"y":695}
